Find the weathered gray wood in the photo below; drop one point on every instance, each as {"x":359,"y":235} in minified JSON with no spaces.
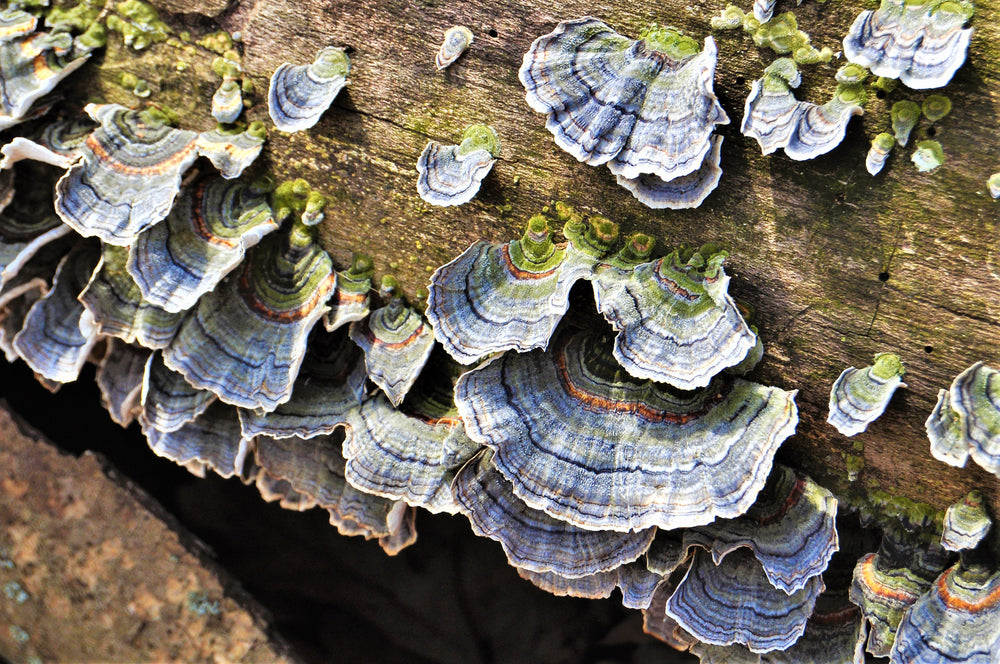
{"x":808,"y":240}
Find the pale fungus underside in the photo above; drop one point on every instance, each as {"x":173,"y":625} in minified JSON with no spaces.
{"x":592,"y":476}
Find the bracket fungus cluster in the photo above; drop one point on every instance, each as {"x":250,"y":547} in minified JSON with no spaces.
{"x":629,"y":452}
{"x":966,"y":420}
{"x":457,"y":40}
{"x":646,"y":108}
{"x":922,"y":43}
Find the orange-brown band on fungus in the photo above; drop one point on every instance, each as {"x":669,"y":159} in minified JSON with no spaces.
{"x":793,"y":498}
{"x":317,"y":298}
{"x":105,"y":157}
{"x":394,"y":345}
{"x":518,"y":272}
{"x":954,"y":602}
{"x":883,"y":589}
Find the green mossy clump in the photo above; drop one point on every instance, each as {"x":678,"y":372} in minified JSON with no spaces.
{"x":138,"y":23}
{"x":781,"y":34}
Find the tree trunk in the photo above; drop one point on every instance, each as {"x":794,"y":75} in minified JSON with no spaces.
{"x":837,"y":264}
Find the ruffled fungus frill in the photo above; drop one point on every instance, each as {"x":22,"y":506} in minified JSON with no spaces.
{"x":596,"y":449}
{"x":921,"y":43}
{"x":859,"y":396}
{"x":473,"y":299}
{"x":411,"y":453}
{"x":451,"y":174}
{"x":59,"y":331}
{"x":128,"y":174}
{"x":790,"y":529}
{"x":351,"y":300}
{"x":733,"y":602}
{"x":957,"y":621}
{"x":533,"y":540}
{"x":776,"y":119}
{"x":232,"y":152}
{"x":227,"y":102}
{"x":330,"y":384}
{"x":203,"y":239}
{"x":119,"y":310}
{"x":300,"y":94}
{"x":315,"y":468}
{"x":167,"y":400}
{"x":211,"y":441}
{"x":966,"y":523}
{"x":676,"y":322}
{"x":683,"y":192}
{"x":246,"y":339}
{"x":643,"y":107}
{"x":966,"y":420}
{"x":397,"y":342}
{"x":119,"y":378}
{"x":637,"y":584}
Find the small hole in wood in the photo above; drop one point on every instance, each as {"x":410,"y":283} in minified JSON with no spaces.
{"x":349,"y":50}
{"x":928,"y":349}
{"x":493,"y":33}
{"x":931,"y":131}
{"x":883,"y":276}
{"x":740,"y":80}
{"x":880,"y":94}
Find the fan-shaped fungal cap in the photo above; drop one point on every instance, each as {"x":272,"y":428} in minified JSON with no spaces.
{"x":330,"y":383}
{"x":920,"y":43}
{"x":966,"y":523}
{"x":210,"y":441}
{"x":232,"y":152}
{"x":127,"y":177}
{"x":642,"y":106}
{"x":734,"y":602}
{"x":59,"y":331}
{"x":879,"y":152}
{"x":31,"y":65}
{"x":904,"y":114}
{"x":457,"y":40}
{"x":993,"y":183}
{"x":683,"y":192}
{"x":834,"y":634}
{"x":957,"y":621}
{"x":790,"y":528}
{"x":227,"y":102}
{"x":774,"y":117}
{"x":410,"y":454}
{"x":119,"y":377}
{"x":928,"y":156}
{"x":315,"y":468}
{"x":936,"y":107}
{"x":118,"y":308}
{"x":603,"y":452}
{"x":675,"y":320}
{"x":451,"y":174}
{"x":533,"y":540}
{"x":27,"y":222}
{"x":203,"y":239}
{"x":246,"y":339}
{"x":859,"y":396}
{"x":637,"y":584}
{"x":15,"y":23}
{"x":966,"y":420}
{"x":397,"y":342}
{"x":300,"y":94}
{"x":168,"y":400}
{"x":887,"y":582}
{"x":351,"y":299}
{"x":494,"y":298}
